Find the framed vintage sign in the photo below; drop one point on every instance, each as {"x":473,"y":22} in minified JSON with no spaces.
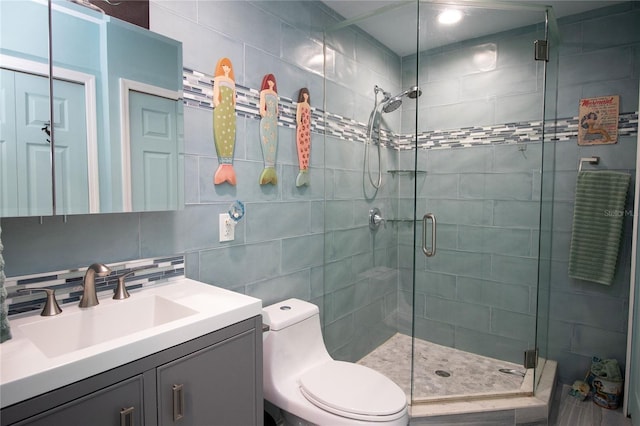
{"x":598,"y":120}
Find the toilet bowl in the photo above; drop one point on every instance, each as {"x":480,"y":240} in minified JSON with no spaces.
{"x":311,"y":388}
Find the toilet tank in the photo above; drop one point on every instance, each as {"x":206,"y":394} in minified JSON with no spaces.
{"x":287,"y":313}
{"x":294,"y":341}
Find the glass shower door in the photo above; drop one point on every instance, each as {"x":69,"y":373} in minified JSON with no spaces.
{"x":452,"y":119}
{"x":478,"y":162}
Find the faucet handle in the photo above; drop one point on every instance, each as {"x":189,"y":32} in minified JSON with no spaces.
{"x":51,"y":306}
{"x":120,"y":291}
{"x":375,"y":218}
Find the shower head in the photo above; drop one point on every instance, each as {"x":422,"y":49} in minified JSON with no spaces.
{"x":392,"y":104}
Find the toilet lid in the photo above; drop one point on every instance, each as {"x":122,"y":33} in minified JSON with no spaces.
{"x":354,"y":391}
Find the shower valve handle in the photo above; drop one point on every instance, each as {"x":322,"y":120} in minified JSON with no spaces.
{"x":375,"y":218}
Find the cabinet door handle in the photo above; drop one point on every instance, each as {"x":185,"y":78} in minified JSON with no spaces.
{"x":178,"y":402}
{"x":126,"y":417}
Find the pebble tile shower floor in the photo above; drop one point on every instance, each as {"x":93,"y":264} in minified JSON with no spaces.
{"x":469,"y":374}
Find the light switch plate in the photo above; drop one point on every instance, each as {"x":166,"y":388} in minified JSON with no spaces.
{"x":227,"y":228}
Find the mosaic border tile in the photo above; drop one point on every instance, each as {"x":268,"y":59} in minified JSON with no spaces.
{"x":68,"y":283}
{"x":198,"y":93}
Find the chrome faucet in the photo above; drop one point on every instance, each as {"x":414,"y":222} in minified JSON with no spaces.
{"x":89,"y":295}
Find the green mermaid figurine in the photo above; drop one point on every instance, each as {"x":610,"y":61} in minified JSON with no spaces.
{"x":224,"y":121}
{"x":269,"y":128}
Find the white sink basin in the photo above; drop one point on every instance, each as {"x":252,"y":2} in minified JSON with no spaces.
{"x":68,"y":333}
{"x":47,"y":353}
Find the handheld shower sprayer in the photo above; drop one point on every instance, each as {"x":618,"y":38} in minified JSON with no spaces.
{"x":389,"y":103}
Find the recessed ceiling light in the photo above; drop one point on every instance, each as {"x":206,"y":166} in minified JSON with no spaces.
{"x":449,"y":16}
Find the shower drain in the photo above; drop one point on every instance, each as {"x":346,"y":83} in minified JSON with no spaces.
{"x":443,"y":373}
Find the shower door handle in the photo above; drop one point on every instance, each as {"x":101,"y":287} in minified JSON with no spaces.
{"x":425,"y":219}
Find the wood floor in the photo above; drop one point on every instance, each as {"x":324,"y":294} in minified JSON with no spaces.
{"x":568,"y":411}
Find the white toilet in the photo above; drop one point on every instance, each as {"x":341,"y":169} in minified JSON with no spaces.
{"x":311,"y":388}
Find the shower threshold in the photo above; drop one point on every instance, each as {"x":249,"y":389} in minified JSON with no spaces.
{"x":450,"y":382}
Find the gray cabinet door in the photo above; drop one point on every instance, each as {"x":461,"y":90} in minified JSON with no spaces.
{"x":214,"y":386}
{"x":117,"y":405}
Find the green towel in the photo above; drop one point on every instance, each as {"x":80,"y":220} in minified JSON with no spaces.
{"x":597,"y":225}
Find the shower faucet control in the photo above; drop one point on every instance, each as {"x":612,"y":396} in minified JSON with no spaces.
{"x":375,"y":218}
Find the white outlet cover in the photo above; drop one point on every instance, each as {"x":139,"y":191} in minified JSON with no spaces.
{"x":226,"y":228}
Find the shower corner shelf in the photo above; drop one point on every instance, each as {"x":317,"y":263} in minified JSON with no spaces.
{"x":406,"y":172}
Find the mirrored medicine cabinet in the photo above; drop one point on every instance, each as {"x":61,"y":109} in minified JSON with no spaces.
{"x":104,"y":134}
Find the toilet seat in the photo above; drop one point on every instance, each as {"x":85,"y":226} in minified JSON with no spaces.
{"x":353,"y":391}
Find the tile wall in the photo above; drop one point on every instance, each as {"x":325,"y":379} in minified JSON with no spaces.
{"x":589,"y":319}
{"x":312,"y":243}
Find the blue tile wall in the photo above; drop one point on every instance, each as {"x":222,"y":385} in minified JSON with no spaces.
{"x":288,"y":232}
{"x":314,"y":243}
{"x":507,"y":196}
{"x":587,"y":319}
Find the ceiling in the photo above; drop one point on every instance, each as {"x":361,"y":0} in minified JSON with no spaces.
{"x":393,"y":23}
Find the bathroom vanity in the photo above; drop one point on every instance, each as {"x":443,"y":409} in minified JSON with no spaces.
{"x":174,"y":375}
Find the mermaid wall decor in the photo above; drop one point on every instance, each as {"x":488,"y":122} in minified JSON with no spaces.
{"x":303,"y":136}
{"x":224,"y":120}
{"x":269,"y":128}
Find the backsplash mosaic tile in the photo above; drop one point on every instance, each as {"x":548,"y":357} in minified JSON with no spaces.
{"x":68,"y":284}
{"x":198,"y":93}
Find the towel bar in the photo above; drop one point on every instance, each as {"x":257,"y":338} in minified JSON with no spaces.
{"x":590,"y":160}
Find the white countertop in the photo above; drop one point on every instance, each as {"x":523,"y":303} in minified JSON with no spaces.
{"x":26,"y":371}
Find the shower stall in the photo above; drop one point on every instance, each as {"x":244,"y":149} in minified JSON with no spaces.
{"x":439,"y":203}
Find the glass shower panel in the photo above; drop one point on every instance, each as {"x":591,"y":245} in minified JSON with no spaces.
{"x":478,"y":161}
{"x":452,"y":118}
{"x":546,"y":197}
{"x":365,"y":95}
